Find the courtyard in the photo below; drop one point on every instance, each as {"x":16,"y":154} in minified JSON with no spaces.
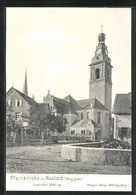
{"x":47,"y":159}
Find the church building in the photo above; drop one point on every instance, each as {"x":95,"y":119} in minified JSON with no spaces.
{"x":89,"y":117}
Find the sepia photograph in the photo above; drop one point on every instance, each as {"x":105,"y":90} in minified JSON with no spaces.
{"x":68,"y":99}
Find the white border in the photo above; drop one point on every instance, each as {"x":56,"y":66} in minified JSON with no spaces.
{"x":68,"y":182}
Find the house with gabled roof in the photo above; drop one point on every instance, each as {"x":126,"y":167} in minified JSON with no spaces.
{"x":19,"y":102}
{"x":122,"y":116}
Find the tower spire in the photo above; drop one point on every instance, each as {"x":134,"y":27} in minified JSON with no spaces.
{"x":101,"y":28}
{"x":25,"y":89}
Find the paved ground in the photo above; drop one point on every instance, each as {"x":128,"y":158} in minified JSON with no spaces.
{"x":47,"y":160}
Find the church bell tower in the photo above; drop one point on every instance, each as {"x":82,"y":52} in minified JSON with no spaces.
{"x":100,"y":83}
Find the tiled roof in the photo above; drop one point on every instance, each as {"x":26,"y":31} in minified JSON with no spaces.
{"x":69,"y":105}
{"x":122,"y":104}
{"x":70,"y":99}
{"x":99,"y":105}
{"x":59,"y":106}
{"x":59,"y":100}
{"x":83,"y":123}
{"x":76,"y":121}
{"x":65,"y":106}
{"x":87,"y":104}
{"x":83,"y":103}
{"x":29,"y":100}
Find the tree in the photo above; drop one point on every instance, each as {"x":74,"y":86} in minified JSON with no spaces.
{"x":14,"y":125}
{"x":11,"y":125}
{"x":42,"y":120}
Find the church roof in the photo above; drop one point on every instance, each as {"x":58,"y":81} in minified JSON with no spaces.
{"x":68,"y":105}
{"x":82,"y":123}
{"x":87,"y":104}
{"x":64,"y":106}
{"x":122,"y":104}
{"x":98,"y":105}
{"x":70,"y":99}
{"x":72,"y":104}
{"x":83,"y":103}
{"x":58,"y":105}
{"x":29,"y":100}
{"x":59,"y":100}
{"x":68,"y":109}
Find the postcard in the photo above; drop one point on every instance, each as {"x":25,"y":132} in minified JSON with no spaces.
{"x":68,"y":99}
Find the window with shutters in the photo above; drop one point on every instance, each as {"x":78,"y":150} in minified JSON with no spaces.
{"x":83,"y":132}
{"x":124,"y":131}
{"x":9,"y":102}
{"x":72,"y":132}
{"x":18,"y":102}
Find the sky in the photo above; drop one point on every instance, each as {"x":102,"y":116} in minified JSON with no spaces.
{"x":56,"y":46}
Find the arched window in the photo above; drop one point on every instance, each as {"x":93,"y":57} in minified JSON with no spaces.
{"x":108,"y":75}
{"x":99,"y":117}
{"x":87,"y":115}
{"x":82,"y":116}
{"x":97,"y":73}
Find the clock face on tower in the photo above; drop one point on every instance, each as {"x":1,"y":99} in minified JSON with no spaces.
{"x":98,"y":51}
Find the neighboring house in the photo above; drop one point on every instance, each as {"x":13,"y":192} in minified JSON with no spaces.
{"x":20,"y":105}
{"x":122,"y":116}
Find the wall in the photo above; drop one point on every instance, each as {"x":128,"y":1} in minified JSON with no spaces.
{"x":90,"y":115}
{"x":99,"y":156}
{"x":121,"y":121}
{"x":105,"y":130}
{"x":70,"y":119}
{"x":104,"y":126}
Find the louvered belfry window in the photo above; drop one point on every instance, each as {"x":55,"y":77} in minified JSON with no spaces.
{"x":97,"y":73}
{"x":98,"y":117}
